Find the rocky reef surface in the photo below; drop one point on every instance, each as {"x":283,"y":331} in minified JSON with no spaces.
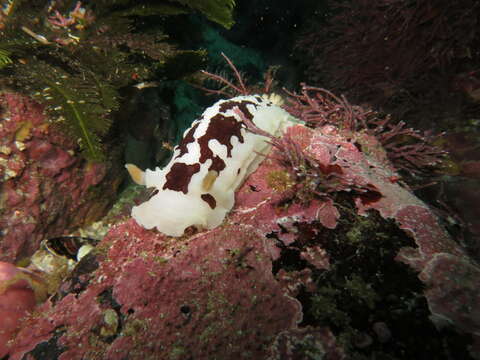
{"x":356,"y":269}
{"x":47,"y":188}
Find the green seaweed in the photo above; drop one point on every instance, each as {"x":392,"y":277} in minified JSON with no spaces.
{"x":219,"y":11}
{"x":5,"y":58}
{"x":77,"y":62}
{"x":85,"y":104}
{"x":155,"y":9}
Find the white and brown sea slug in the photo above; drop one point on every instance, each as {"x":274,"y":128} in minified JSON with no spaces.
{"x":215,"y":156}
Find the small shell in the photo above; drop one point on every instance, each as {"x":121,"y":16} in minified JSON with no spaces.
{"x":70,"y":247}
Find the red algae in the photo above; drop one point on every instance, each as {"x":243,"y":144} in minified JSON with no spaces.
{"x":48,"y":188}
{"x":225,"y":293}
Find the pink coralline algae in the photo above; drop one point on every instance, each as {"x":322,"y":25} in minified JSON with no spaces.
{"x":46,"y":185}
{"x":225,"y":293}
{"x":20,"y":290}
{"x":197,"y":299}
{"x":209,"y":295}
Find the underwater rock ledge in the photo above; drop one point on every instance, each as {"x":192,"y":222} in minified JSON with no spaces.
{"x":48,"y":188}
{"x":216,"y":294}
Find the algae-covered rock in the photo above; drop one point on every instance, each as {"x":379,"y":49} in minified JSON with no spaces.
{"x":48,"y":188}
{"x":286,"y":275}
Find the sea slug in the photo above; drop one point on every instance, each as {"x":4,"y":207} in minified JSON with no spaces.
{"x":216,"y":155}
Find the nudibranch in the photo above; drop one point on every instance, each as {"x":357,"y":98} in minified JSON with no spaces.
{"x":197,"y":187}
